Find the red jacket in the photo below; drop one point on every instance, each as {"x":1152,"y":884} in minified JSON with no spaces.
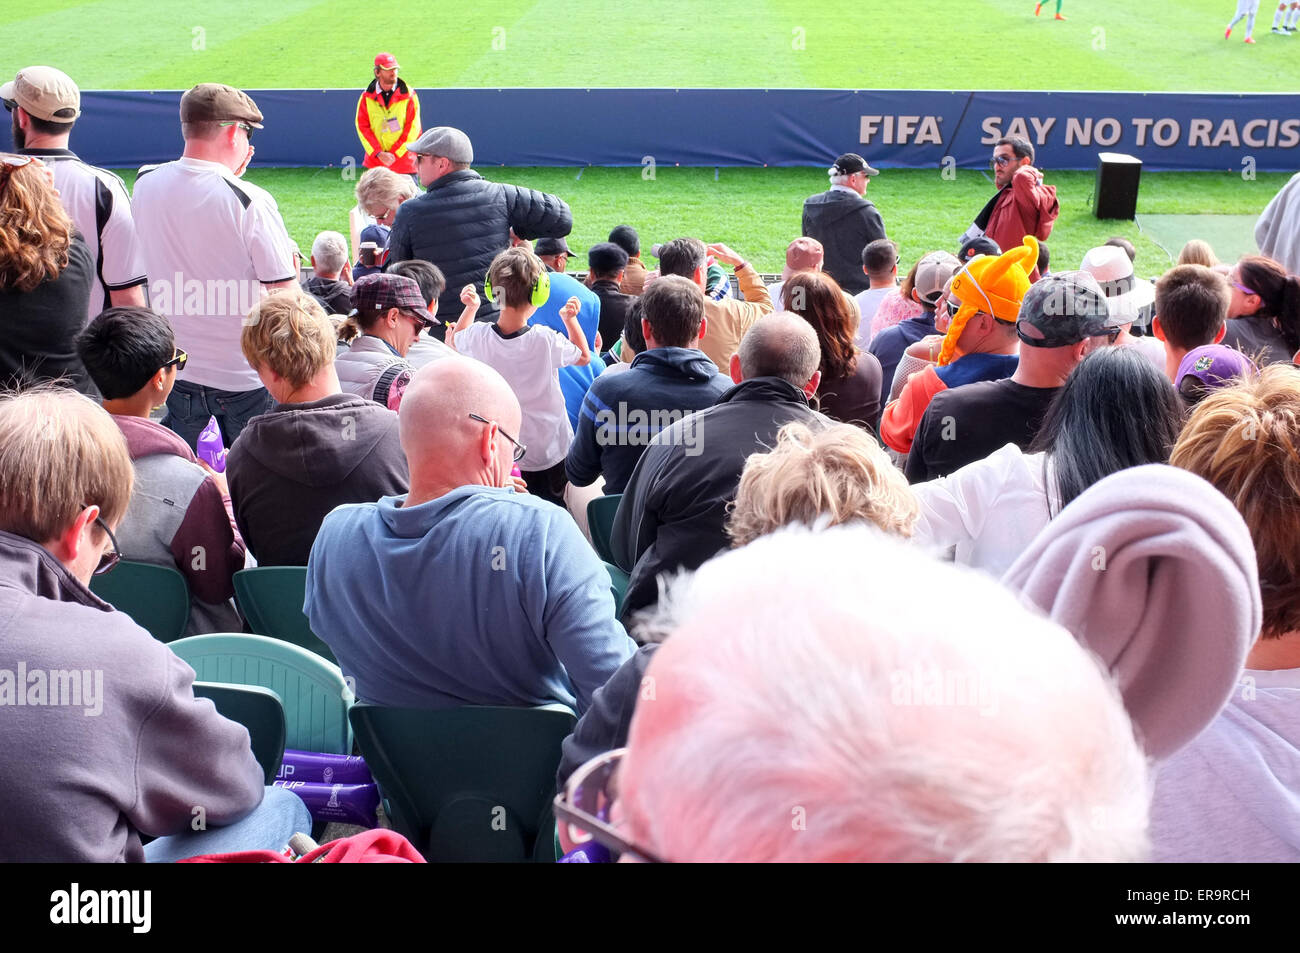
{"x":1028,"y":207}
{"x":389,"y":128}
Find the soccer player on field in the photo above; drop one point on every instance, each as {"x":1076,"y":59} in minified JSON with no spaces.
{"x":1289,"y":27}
{"x":1039,"y":9}
{"x":1247,"y":9}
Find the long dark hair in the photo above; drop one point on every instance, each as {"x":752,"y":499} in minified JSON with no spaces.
{"x":1279,"y":295}
{"x":1115,"y":411}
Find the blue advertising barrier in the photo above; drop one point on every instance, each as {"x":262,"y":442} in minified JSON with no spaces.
{"x":742,"y":127}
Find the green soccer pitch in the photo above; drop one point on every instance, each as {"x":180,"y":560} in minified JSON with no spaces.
{"x":1171,"y":45}
{"x":948,"y":44}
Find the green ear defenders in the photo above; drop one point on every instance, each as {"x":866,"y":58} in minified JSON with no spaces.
{"x":540,"y":294}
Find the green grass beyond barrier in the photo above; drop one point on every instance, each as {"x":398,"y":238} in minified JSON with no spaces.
{"x":1168,"y":45}
{"x":757,"y":211}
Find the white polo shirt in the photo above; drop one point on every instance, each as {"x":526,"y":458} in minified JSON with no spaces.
{"x":211,"y":242}
{"x":96,"y":201}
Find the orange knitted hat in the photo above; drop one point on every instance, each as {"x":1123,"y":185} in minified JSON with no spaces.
{"x":992,"y":285}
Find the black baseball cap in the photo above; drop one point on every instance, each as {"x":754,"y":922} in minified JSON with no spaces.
{"x":851,"y":163}
{"x":552,"y":246}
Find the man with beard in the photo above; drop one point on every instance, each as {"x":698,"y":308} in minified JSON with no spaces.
{"x":45,"y":103}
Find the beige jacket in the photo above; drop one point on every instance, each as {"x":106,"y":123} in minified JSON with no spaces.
{"x":726,"y":321}
{"x":633,"y":282}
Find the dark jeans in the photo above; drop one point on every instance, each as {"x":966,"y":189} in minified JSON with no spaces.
{"x":190,"y":406}
{"x":548,"y":484}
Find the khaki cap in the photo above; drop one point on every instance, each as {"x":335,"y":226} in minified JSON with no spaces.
{"x":45,"y":93}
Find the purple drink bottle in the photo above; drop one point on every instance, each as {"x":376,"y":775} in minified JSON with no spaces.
{"x":210,"y":447}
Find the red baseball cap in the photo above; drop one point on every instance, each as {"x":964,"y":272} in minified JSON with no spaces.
{"x":386,"y":61}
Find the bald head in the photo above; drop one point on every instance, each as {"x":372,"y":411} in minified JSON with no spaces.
{"x":780,"y":345}
{"x":441,"y":442}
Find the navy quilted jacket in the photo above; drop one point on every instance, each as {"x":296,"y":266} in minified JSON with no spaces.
{"x":463,"y":221}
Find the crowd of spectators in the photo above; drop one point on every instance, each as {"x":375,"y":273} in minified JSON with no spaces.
{"x":1076,"y":489}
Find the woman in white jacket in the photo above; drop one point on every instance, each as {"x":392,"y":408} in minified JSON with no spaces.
{"x":1115,"y":411}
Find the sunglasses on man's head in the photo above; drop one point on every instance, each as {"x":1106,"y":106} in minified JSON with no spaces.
{"x":10,"y":164}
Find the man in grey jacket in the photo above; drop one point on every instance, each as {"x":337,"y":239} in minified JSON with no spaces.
{"x":103,"y":737}
{"x":463,"y":221}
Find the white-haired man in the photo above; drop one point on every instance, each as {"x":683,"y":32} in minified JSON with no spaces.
{"x":845,"y":221}
{"x":331,"y":283}
{"x":801,"y":710}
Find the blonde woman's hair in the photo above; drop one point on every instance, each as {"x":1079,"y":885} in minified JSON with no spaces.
{"x":288,"y":332}
{"x":59,"y":452}
{"x":832,"y":475}
{"x":1245,"y":439}
{"x":1197,"y":252}
{"x":380,"y":187}
{"x":35,"y":231}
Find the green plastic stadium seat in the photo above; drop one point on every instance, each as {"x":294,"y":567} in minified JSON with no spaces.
{"x":260,"y":711}
{"x":315,"y":696}
{"x":618,"y":581}
{"x":270,"y":599}
{"x":156,"y":597}
{"x":467,"y":784}
{"x":600,"y":523}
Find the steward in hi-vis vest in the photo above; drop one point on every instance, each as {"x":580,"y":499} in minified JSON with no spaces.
{"x":388,"y":118}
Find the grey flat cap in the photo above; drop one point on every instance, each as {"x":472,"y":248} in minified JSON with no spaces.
{"x":446,"y":142}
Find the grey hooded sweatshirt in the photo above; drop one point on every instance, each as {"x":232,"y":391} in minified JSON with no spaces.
{"x":103,"y":737}
{"x":290,"y":467}
{"x":1233,"y":793}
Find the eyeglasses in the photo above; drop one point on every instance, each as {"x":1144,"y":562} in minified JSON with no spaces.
{"x":520,"y":449}
{"x":111,"y":558}
{"x":1001,"y":160}
{"x":585,"y":804}
{"x":179,"y":360}
{"x":248,"y":130}
{"x":953,"y":306}
{"x":1112,"y":335}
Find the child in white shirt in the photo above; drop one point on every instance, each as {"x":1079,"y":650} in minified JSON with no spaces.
{"x":528,"y":357}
